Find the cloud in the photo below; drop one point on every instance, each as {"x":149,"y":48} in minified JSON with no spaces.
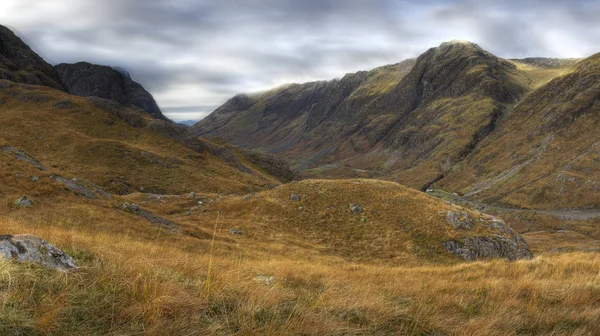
{"x":193,"y":55}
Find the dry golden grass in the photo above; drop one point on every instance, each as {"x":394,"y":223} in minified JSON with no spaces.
{"x":155,"y":284}
{"x":86,"y":142}
{"x":136,"y":279}
{"x":335,"y":273}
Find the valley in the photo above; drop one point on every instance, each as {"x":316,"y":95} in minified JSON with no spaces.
{"x":299,"y":210}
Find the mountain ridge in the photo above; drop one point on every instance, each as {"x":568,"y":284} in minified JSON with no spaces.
{"x":430,"y":117}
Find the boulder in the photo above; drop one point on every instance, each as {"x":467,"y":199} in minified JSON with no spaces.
{"x":295,"y":198}
{"x":28,"y":248}
{"x":356,"y":208}
{"x":265,"y":279}
{"x":23,"y":202}
{"x":83,"y":188}
{"x":63,"y":103}
{"x":236,"y":232}
{"x":22,"y":156}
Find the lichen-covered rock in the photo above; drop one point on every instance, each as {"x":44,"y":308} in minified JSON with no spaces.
{"x":83,"y":188}
{"x":28,"y":248}
{"x":149,"y":216}
{"x":506,"y":243}
{"x":356,"y":208}
{"x":295,"y":197}
{"x":23,"y":202}
{"x":22,"y":156}
{"x":460,"y":220}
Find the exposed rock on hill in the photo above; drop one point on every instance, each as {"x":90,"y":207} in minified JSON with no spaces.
{"x":28,"y":248}
{"x":85,"y":79}
{"x":368,"y":219}
{"x":19,"y":63}
{"x":546,"y":62}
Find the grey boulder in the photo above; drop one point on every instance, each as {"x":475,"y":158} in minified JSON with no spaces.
{"x":28,"y":248}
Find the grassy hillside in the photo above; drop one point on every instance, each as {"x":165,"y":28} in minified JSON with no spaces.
{"x":544,"y":154}
{"x":135,"y":278}
{"x":71,"y":136}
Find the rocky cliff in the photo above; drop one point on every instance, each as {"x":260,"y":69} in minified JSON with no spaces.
{"x":85,"y":79}
{"x":19,"y":63}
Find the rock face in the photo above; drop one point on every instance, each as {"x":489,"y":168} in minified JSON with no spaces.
{"x":20,"y":64}
{"x":85,"y":79}
{"x":487,"y":248}
{"x":506,"y":243}
{"x":28,"y":248}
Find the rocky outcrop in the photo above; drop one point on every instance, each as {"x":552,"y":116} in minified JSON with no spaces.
{"x":474,"y":248}
{"x":85,"y":79}
{"x":18,"y":63}
{"x":28,"y":248}
{"x":549,"y":63}
{"x":22,"y":156}
{"x":152,"y":218}
{"x":83,"y":188}
{"x":504,"y":243}
{"x":459,"y":220}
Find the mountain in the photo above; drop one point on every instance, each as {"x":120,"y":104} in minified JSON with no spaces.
{"x":544,"y":153}
{"x":119,"y":149}
{"x":414,"y":119}
{"x":450,"y":118}
{"x":19,"y":63}
{"x":117,"y":222}
{"x":85,"y":79}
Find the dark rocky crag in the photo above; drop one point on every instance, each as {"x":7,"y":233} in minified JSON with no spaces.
{"x":85,"y":79}
{"x":18,"y":63}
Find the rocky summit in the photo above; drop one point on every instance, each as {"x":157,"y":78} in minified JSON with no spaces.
{"x":85,"y":79}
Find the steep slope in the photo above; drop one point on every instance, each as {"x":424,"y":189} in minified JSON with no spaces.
{"x":413,"y":122}
{"x":85,"y":79}
{"x":278,"y":121}
{"x":19,"y":63}
{"x":545,"y":153}
{"x":119,"y":149}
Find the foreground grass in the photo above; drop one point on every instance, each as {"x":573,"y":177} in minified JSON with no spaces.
{"x":133,"y":283}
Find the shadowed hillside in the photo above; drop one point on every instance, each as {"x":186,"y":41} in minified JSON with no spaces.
{"x":414,"y":124}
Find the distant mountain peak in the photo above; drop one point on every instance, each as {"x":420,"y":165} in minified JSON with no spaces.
{"x":460,"y":43}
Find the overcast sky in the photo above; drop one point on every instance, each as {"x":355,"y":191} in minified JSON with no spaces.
{"x":193,"y":55}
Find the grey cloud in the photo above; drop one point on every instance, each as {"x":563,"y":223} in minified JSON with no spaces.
{"x":193,"y":55}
